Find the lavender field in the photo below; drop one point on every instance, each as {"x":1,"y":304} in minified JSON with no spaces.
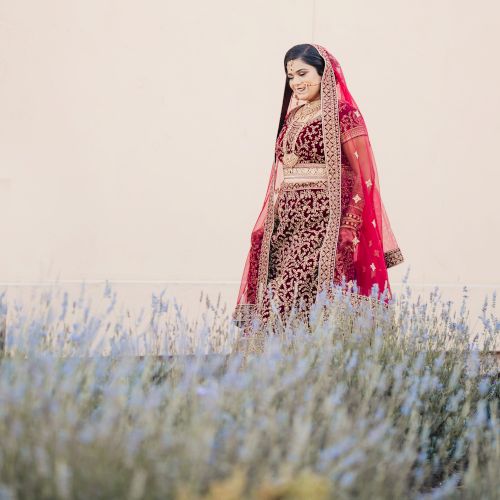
{"x":368,"y":403}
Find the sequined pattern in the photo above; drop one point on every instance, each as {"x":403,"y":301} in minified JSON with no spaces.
{"x":393,"y":257}
{"x":302,"y":216}
{"x":309,"y":145}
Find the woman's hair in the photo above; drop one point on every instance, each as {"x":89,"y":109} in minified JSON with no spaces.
{"x":309,"y":54}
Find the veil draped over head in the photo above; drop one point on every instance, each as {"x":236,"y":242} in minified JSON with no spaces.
{"x":377,"y":249}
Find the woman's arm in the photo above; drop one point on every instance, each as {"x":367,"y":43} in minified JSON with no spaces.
{"x":353,"y":139}
{"x":357,"y":151}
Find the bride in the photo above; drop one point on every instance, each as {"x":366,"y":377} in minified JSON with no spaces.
{"x":322,"y":222}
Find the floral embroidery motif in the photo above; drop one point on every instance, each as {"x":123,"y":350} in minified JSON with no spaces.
{"x":294,"y":125}
{"x":308,"y":138}
{"x":319,"y":141}
{"x":297,"y":238}
{"x":352,"y":123}
{"x":315,"y":142}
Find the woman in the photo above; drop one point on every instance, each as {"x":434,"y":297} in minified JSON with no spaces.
{"x":322,"y":223}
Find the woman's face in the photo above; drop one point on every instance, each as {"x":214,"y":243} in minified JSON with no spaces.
{"x":303,"y":79}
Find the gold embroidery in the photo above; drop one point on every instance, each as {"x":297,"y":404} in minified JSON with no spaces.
{"x":351,"y":220}
{"x":353,"y":132}
{"x":331,"y":186}
{"x":243,"y":314}
{"x":251,"y":344}
{"x":304,"y":185}
{"x":393,"y":257}
{"x":264,"y":250}
{"x":297,"y":122}
{"x":254,"y":343}
{"x":296,"y":243}
{"x":332,"y":148}
{"x":304,"y":171}
{"x":270,"y":209}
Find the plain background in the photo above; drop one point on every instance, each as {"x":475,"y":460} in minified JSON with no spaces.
{"x":137,"y":137}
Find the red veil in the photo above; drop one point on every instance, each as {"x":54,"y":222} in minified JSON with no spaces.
{"x":377,"y":249}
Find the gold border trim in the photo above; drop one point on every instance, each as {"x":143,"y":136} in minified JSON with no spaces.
{"x":332,"y":148}
{"x":393,"y":258}
{"x":353,"y":132}
{"x":317,"y":184}
{"x":243,"y":314}
{"x":265,"y":246}
{"x":357,"y":298}
{"x":253,"y":343}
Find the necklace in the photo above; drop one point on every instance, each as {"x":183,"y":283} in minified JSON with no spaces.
{"x":300,"y":117}
{"x":308,"y":108}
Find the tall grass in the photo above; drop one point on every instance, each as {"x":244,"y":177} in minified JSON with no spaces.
{"x":367,"y":403}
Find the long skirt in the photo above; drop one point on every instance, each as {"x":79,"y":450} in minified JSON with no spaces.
{"x":301,"y":220}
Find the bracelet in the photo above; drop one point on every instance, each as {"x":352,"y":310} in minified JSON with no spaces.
{"x":349,"y":226}
{"x":351,"y":220}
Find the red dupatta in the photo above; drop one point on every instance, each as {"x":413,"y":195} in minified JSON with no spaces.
{"x":376,"y":248}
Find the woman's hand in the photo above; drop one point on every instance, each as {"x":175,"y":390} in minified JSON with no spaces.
{"x":346,"y":237}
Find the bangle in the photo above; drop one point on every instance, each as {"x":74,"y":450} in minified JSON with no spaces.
{"x":349,"y":226}
{"x":351,"y":220}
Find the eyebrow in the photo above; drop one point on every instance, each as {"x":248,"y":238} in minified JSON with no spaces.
{"x":296,"y":71}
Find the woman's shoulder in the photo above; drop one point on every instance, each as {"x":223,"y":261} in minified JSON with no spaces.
{"x":345,"y":107}
{"x":351,"y":121}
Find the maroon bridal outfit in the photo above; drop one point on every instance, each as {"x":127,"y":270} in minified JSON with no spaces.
{"x":298,"y":246}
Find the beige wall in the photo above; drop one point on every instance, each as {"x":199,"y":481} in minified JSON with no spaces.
{"x":137,"y":137}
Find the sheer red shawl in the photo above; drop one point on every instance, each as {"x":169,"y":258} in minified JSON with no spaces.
{"x":377,"y":249}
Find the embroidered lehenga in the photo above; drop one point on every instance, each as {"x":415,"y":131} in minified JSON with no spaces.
{"x":323,"y":180}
